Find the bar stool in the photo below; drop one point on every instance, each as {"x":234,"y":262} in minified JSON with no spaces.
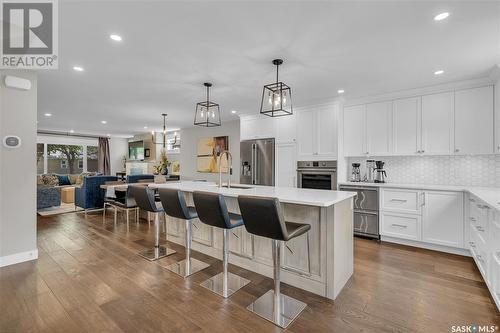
{"x":174,"y":205}
{"x":144,"y":197}
{"x":212,"y":210}
{"x":264,"y":217}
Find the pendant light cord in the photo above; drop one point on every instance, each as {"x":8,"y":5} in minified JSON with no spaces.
{"x":277,"y":69}
{"x":208,"y":96}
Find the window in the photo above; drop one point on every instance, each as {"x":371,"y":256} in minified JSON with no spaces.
{"x":92,"y":152}
{"x":72,"y":155}
{"x":39,"y":158}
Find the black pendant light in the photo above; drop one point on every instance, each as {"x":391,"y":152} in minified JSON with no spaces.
{"x":276,"y":97}
{"x":164,"y":132}
{"x":207,"y":113}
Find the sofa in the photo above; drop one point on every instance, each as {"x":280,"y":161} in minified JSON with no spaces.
{"x":90,"y":195}
{"x":137,"y":178}
{"x":48,"y":196}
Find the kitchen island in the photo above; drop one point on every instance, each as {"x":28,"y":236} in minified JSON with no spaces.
{"x":320,"y":261}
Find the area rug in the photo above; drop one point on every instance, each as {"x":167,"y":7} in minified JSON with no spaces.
{"x":62,"y":209}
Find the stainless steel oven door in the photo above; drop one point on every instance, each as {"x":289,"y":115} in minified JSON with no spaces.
{"x":321,"y":180}
{"x":366,"y":224}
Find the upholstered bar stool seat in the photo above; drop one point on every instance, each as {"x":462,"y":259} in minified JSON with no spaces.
{"x":264,"y":217}
{"x":174,"y":205}
{"x":212,"y":210}
{"x":145,"y":199}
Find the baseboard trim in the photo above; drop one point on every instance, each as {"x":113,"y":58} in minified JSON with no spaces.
{"x":434,"y":247}
{"x":17,"y":258}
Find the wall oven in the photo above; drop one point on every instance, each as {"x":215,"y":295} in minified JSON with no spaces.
{"x":321,"y":175}
{"x":366,"y":219}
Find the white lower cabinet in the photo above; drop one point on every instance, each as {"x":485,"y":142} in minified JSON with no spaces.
{"x":484,"y":243}
{"x":406,"y":226}
{"x":442,"y":216}
{"x":429,"y":217}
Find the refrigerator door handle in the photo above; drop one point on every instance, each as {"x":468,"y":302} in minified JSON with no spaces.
{"x":256,"y":180}
{"x":253,"y":163}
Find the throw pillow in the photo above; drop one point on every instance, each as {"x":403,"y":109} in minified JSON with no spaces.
{"x":39,"y":180}
{"x":64,"y":180}
{"x":51,"y":180}
{"x":79,"y":180}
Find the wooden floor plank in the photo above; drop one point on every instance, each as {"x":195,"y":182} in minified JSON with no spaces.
{"x":89,"y":278}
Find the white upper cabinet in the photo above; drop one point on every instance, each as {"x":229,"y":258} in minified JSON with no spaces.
{"x":317,"y":133}
{"x":442,"y":221}
{"x":474,"y":121}
{"x":257,"y":127}
{"x":497,"y":122}
{"x":305,"y":133}
{"x":379,"y":128}
{"x":286,"y":128}
{"x":327,"y":132}
{"x":355,"y":130}
{"x":437,"y":124}
{"x":406,"y":126}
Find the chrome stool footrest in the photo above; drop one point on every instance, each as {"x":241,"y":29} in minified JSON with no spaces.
{"x":290,"y":308}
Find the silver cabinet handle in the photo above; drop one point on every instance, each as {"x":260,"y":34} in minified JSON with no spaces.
{"x":473,"y":219}
{"x":423,"y":199}
{"x":478,"y":228}
{"x":399,"y":225}
{"x":472,"y":200}
{"x":472,"y":244}
{"x":422,"y":151}
{"x":399,"y":200}
{"x":457,"y":150}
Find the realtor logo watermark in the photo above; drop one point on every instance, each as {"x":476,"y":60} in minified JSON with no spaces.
{"x":29,"y":34}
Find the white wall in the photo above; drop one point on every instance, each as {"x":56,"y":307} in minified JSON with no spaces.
{"x":18,"y":114}
{"x":187,"y":156}
{"x":118,"y":147}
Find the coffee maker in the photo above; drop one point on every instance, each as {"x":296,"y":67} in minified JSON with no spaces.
{"x":356,"y":173}
{"x":370,"y":170}
{"x":380,"y":174}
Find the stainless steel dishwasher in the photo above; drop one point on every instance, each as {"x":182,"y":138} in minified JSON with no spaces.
{"x":366,"y":219}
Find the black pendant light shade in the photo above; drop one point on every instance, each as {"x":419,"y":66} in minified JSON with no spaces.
{"x":207,"y":113}
{"x":276,"y":97}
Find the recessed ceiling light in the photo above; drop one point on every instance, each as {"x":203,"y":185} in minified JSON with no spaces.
{"x":145,"y":127}
{"x":441,"y":16}
{"x":72,"y":131}
{"x":104,"y":122}
{"x":47,"y":114}
{"x":233,"y":112}
{"x":438,"y":72}
{"x":108,"y":135}
{"x":78,"y":68}
{"x":115,"y":37}
{"x":340,"y":91}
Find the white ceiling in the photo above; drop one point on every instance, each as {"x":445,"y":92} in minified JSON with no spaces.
{"x":170,"y":48}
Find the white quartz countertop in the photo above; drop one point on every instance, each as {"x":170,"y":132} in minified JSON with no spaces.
{"x":300,"y":196}
{"x":490,"y":195}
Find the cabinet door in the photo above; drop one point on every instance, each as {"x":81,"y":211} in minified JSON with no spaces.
{"x":443,"y":221}
{"x":398,"y":225}
{"x":354,"y":130}
{"x":379,"y":128}
{"x":497,"y":118}
{"x":406,"y":126}
{"x":202,"y":233}
{"x":306,"y":135}
{"x":286,"y":165}
{"x":437,"y":123}
{"x":474,"y":121}
{"x":257,"y":127}
{"x":326,"y":122}
{"x":286,"y":129}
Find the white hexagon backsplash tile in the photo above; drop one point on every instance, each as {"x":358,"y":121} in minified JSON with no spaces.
{"x":477,"y":170}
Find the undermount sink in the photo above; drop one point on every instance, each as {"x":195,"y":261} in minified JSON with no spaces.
{"x":238,"y":187}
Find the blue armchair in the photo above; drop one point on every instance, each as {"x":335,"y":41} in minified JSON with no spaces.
{"x":48,"y":196}
{"x":136,"y":178}
{"x":90,"y":195}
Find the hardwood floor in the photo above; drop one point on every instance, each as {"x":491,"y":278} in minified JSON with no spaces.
{"x":88,"y":278}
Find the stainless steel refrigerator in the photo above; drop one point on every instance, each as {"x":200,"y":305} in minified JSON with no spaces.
{"x":257,"y":162}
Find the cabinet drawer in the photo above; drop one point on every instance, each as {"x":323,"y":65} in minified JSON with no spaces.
{"x":404,"y":201}
{"x":401,"y":225}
